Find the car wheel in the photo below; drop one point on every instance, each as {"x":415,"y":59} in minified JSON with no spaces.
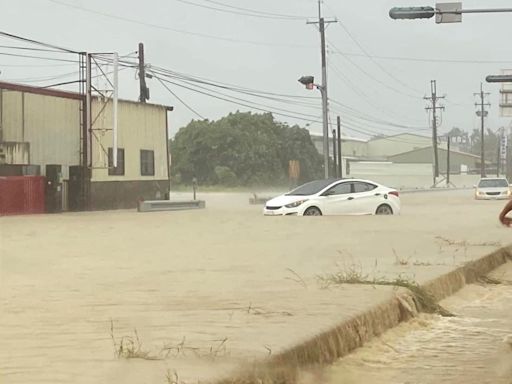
{"x":313,"y":211}
{"x":384,"y":209}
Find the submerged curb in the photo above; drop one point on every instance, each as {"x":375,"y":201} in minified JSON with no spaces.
{"x":351,"y":334}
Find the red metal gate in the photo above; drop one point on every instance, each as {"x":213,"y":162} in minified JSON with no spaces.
{"x":22,"y":195}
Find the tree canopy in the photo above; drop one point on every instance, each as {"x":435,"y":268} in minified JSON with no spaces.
{"x":242,"y":149}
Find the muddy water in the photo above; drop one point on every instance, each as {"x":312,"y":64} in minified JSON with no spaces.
{"x":225,"y":272}
{"x":469,"y":348}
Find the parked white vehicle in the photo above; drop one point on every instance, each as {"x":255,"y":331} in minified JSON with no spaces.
{"x":336,"y":197}
{"x":492,"y":189}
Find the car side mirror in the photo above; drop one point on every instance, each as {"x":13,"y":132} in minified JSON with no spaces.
{"x":328,"y":193}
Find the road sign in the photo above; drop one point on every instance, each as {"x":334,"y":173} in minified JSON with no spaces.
{"x":448,"y":13}
{"x":506,"y":94}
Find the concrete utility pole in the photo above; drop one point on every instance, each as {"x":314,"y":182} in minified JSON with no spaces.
{"x":434,"y":99}
{"x":482,"y":113}
{"x":448,"y":165}
{"x":323,"y":87}
{"x":144,"y":94}
{"x":340,"y":159}
{"x":334,"y":155}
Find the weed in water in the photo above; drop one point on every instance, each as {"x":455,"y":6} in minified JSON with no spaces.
{"x":424,"y":301}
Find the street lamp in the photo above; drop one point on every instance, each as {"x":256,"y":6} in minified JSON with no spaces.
{"x":309,"y":83}
{"x":444,"y":12}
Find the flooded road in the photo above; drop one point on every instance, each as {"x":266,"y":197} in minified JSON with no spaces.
{"x":201,"y":277}
{"x":473,"y":348}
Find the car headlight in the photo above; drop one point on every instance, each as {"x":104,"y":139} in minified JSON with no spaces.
{"x":296,"y":204}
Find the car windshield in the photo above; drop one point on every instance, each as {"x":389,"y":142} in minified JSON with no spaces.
{"x":493,"y":183}
{"x":311,"y":188}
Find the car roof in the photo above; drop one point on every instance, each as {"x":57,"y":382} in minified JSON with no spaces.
{"x":492,"y":178}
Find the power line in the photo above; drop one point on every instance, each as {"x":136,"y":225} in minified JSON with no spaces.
{"x":338,"y":73}
{"x":30,"y":49}
{"x":367,"y":54}
{"x":180,"y":100}
{"x":38,"y":57}
{"x":265,"y":95}
{"x":175,"y":30}
{"x":374,"y":78}
{"x":237,"y":11}
{"x":244,"y":104}
{"x":26,"y":40}
{"x":425,"y":60}
{"x":285,"y":16}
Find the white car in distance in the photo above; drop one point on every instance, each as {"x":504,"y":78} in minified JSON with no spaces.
{"x":492,"y":189}
{"x":336,"y":197}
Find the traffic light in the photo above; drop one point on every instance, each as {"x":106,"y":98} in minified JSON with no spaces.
{"x":499,"y":79}
{"x":398,"y":13}
{"x":308,"y":81}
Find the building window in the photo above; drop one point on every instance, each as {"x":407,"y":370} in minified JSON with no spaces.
{"x":119,"y":170}
{"x":147,"y":162}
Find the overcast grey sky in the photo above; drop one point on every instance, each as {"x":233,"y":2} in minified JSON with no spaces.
{"x":270,"y":54}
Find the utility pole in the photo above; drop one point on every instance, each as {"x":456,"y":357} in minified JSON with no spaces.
{"x":323,"y":87}
{"x":498,"y":160}
{"x":434,"y":108}
{"x":334,"y":155}
{"x":448,"y":161}
{"x":340,"y":159}
{"x":144,"y":91}
{"x":482,"y":112}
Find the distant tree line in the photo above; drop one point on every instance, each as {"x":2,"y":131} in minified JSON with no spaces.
{"x":242,"y":149}
{"x":471,"y":143}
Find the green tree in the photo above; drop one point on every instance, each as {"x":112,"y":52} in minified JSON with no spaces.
{"x":253,"y":147}
{"x":490,"y":144}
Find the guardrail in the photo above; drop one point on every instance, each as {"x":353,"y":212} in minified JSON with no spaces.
{"x":170,"y":205}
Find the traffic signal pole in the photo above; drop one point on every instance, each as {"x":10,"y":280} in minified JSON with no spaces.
{"x":323,"y":87}
{"x":482,"y":112}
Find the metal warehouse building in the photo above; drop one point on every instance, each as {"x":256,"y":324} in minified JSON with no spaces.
{"x":42,"y":132}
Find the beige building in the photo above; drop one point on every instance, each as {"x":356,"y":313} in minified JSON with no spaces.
{"x":460,"y":162}
{"x":44,"y":127}
{"x":351,"y":147}
{"x":383,"y":147}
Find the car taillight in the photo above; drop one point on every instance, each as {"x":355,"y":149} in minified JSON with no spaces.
{"x":394,"y":193}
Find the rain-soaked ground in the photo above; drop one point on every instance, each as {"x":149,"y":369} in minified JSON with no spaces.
{"x":207,"y":290}
{"x":475,"y":347}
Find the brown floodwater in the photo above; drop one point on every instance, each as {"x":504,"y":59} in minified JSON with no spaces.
{"x":197,"y":278}
{"x":473,"y":347}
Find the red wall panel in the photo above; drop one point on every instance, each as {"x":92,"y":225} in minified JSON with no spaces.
{"x":22,"y":195}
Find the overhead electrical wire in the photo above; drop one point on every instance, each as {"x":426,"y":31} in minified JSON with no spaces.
{"x":180,"y":99}
{"x":175,"y":30}
{"x":264,"y":13}
{"x":239,"y":11}
{"x":26,"y":40}
{"x":426,"y":60}
{"x":39,"y":57}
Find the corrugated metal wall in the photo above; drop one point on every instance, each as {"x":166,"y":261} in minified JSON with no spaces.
{"x":141,"y":126}
{"x":51,"y":125}
{"x":22,"y":195}
{"x":15,"y":152}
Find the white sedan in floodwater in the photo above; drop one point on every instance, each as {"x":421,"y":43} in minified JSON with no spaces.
{"x":493,"y":189}
{"x":336,"y":197}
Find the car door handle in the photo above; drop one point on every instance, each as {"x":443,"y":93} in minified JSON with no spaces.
{"x":377,"y":194}
{"x":350,"y":198}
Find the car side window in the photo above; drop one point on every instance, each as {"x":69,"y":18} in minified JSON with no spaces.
{"x":339,"y":189}
{"x":360,"y":187}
